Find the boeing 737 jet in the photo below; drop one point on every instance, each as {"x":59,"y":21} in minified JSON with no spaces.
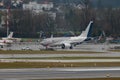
{"x":67,"y":42}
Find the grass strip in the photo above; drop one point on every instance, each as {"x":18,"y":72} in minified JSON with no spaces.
{"x":43,"y":52}
{"x":114,"y":50}
{"x":64,"y":58}
{"x":55,"y":64}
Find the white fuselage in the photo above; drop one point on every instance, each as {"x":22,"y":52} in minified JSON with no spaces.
{"x":13,"y":39}
{"x":51,"y":41}
{"x":6,"y":41}
{"x":60,"y":40}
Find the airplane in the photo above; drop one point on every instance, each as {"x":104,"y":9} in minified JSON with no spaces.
{"x":5,"y":43}
{"x":10,"y":37}
{"x":67,"y":42}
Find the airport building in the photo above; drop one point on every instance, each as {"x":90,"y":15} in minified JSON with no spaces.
{"x":38,"y":7}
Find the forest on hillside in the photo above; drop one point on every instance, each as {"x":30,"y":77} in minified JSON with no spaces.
{"x":25,"y":24}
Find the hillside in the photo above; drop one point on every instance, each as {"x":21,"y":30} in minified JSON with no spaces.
{"x":106,"y":3}
{"x":95,"y":3}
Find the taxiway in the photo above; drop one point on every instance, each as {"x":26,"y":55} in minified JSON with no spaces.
{"x":59,"y":73}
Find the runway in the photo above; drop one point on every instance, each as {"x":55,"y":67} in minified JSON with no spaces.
{"x":108,"y":54}
{"x":59,"y":73}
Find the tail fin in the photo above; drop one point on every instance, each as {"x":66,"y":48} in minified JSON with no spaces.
{"x":87,"y":31}
{"x":102,"y":35}
{"x":51,"y":36}
{"x":10,"y":35}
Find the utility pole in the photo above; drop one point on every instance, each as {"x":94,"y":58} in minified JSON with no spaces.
{"x":7,"y":21}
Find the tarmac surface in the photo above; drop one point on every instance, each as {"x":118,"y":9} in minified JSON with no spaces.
{"x":104,"y":47}
{"x":59,"y":73}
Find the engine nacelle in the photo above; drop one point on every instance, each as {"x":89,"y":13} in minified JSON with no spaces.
{"x":66,"y":45}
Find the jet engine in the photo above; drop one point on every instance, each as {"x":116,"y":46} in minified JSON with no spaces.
{"x":67,"y":45}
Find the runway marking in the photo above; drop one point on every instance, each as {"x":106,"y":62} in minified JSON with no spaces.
{"x":95,"y":69}
{"x":65,"y":69}
{"x":54,"y":60}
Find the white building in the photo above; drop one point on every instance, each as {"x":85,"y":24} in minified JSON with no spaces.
{"x":79,"y":6}
{"x":38,"y":7}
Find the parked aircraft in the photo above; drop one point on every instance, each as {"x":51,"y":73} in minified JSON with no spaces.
{"x":67,"y":42}
{"x":10,"y":37}
{"x":5,"y":43}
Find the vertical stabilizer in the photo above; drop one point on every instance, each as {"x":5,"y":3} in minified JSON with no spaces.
{"x":10,"y":35}
{"x":51,"y":36}
{"x":87,"y":31}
